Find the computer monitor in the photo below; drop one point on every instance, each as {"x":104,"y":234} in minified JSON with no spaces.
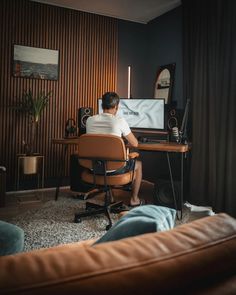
{"x":141,"y":113}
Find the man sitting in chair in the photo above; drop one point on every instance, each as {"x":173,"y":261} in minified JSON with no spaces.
{"x":109,"y":123}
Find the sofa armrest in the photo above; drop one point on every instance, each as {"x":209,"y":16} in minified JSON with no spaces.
{"x":188,"y":259}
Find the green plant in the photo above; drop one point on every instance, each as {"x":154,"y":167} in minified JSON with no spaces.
{"x":33,"y":107}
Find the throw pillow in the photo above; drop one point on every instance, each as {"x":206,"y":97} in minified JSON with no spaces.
{"x":141,"y":220}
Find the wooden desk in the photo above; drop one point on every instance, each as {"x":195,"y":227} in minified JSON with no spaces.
{"x":167,"y":147}
{"x":65,"y":141}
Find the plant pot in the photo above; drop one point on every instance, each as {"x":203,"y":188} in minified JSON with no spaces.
{"x":30,"y":165}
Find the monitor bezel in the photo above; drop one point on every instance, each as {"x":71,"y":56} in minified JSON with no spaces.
{"x":145,"y":130}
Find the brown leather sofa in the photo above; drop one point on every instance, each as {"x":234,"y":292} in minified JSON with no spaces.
{"x":194,"y":258}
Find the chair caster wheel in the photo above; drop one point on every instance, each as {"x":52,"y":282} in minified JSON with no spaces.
{"x":77,"y":220}
{"x":108,"y":226}
{"x":88,"y":208}
{"x":80,"y":196}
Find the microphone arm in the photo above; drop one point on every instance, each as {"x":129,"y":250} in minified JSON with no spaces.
{"x":183,"y":129}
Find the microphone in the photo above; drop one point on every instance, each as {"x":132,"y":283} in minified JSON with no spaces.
{"x":175,"y":134}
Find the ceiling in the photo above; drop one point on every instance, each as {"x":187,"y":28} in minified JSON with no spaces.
{"x":141,"y":11}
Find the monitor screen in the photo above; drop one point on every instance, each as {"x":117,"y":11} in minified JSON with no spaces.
{"x":141,"y":113}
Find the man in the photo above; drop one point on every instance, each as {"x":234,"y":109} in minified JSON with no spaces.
{"x":109,"y":123}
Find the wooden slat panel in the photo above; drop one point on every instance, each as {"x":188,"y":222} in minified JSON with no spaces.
{"x":87,"y":45}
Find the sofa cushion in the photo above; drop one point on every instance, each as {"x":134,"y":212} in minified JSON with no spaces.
{"x":141,"y":220}
{"x":11,"y":238}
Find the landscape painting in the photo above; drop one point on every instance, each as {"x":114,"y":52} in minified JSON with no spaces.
{"x":37,"y":63}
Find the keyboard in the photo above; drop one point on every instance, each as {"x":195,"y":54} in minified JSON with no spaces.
{"x":150,"y":140}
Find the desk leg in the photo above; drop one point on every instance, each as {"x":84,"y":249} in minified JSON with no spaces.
{"x":182,"y":185}
{"x":173,"y":188}
{"x":18,"y":174}
{"x":43,"y":173}
{"x":61,"y":171}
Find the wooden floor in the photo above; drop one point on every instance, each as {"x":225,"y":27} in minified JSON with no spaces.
{"x":18,"y":202}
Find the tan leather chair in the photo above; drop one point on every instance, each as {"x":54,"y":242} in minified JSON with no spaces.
{"x":101,"y":155}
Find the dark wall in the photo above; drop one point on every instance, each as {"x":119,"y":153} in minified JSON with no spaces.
{"x":132,"y":50}
{"x":146,"y":48}
{"x":165,"y":39}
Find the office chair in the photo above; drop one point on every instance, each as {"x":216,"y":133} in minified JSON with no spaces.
{"x":101,"y":155}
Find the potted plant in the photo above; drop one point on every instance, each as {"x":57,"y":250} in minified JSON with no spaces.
{"x":33,"y":108}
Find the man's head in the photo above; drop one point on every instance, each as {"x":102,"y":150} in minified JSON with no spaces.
{"x":110,"y":100}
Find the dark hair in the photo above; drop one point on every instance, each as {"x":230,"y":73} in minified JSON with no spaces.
{"x":110,"y":100}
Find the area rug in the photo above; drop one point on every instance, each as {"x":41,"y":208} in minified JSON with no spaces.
{"x":53,"y":224}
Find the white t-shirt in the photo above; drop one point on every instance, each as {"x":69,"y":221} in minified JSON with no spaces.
{"x":106,"y":123}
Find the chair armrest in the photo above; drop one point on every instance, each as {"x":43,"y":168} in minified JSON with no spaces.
{"x":133,"y":155}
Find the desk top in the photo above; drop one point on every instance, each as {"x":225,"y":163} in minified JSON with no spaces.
{"x":159,"y":146}
{"x":72,"y":140}
{"x":164,"y":147}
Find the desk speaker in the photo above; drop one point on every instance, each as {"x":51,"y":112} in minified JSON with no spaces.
{"x":163,"y":195}
{"x":173,"y":119}
{"x":83,"y":114}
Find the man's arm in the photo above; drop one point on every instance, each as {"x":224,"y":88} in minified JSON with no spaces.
{"x":132,"y":139}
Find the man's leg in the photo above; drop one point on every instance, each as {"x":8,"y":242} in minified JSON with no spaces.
{"x":136,"y":184}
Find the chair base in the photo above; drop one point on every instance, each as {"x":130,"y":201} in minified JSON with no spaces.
{"x":94,"y":190}
{"x":95,"y":209}
{"x":86,"y":195}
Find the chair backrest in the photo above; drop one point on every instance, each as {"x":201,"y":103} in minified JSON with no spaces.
{"x":102,"y":146}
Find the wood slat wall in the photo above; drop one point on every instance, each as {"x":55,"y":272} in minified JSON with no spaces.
{"x":88,"y":48}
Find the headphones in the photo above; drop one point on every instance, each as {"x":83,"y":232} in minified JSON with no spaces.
{"x":71,"y":128}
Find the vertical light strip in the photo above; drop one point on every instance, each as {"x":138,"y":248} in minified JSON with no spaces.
{"x":129,"y":81}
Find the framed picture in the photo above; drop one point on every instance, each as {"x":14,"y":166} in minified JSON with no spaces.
{"x":164,"y":82}
{"x":36,"y":63}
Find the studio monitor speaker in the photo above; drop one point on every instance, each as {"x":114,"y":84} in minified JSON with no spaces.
{"x":83,"y":114}
{"x":173,"y":118}
{"x":163,"y":195}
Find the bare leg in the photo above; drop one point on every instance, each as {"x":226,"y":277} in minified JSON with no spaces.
{"x":136,"y":184}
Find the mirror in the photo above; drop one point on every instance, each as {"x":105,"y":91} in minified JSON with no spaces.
{"x":164,"y":82}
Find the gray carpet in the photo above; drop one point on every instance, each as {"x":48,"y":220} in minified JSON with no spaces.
{"x":53,"y":224}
